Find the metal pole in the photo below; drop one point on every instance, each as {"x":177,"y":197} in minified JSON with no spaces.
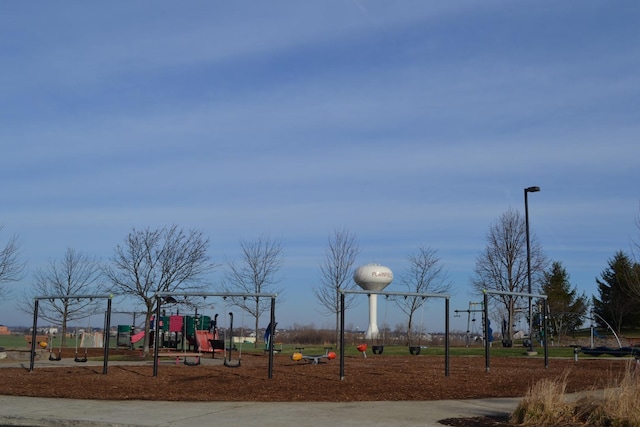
{"x":156,"y":339}
{"x":486,"y":332}
{"x":544,"y":328}
{"x":446,"y":335}
{"x":526,"y":216}
{"x":341,"y":336}
{"x":107,"y":331}
{"x":32,"y":357}
{"x":272,"y":332}
{"x":526,"y":219}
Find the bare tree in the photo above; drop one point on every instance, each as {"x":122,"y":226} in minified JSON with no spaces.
{"x":425,"y":274}
{"x":336,"y":272}
{"x":255,"y":272}
{"x":162,"y":260}
{"x":11,"y":268}
{"x":502,"y":266}
{"x":74,"y":274}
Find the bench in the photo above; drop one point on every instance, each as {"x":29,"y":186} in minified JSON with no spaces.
{"x":39,"y":339}
{"x":276,"y":350}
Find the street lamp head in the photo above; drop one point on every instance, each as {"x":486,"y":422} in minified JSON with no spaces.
{"x":532,"y":189}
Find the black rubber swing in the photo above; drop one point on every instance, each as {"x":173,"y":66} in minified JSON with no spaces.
{"x":51,"y":356}
{"x":77,"y":358}
{"x":227,"y":361}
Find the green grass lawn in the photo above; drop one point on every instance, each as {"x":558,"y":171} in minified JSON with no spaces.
{"x":13,"y":341}
{"x":19,"y":342}
{"x":393,"y":350}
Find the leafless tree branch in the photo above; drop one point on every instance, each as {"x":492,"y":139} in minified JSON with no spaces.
{"x":162,"y":260}
{"x":336,"y":272}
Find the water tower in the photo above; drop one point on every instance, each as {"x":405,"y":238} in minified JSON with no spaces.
{"x":373,"y":277}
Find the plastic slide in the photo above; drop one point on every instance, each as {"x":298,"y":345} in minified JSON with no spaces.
{"x":204,"y":343}
{"x":137,"y":337}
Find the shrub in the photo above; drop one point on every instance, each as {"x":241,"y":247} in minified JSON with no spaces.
{"x":618,"y":405}
{"x":544,"y":404}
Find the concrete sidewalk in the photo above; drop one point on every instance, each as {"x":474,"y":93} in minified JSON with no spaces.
{"x":35,"y":411}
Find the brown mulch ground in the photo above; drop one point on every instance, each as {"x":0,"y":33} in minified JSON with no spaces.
{"x":375,"y":378}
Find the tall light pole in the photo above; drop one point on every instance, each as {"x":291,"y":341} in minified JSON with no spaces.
{"x":526,"y":221}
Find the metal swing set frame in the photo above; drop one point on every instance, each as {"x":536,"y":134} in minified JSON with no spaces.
{"x":486,"y":293}
{"x":107,"y":324}
{"x":446,"y":297}
{"x":160,"y":296}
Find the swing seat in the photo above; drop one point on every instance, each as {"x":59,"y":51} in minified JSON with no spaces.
{"x":196,"y":363}
{"x":228,"y":363}
{"x":217,"y":346}
{"x":377,"y":349}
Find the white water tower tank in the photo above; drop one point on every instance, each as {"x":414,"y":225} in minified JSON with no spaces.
{"x":373,"y":277}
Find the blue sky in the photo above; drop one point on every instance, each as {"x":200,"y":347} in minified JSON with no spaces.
{"x":408,"y":123}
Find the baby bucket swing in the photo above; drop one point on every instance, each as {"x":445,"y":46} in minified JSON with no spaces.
{"x":415,"y":349}
{"x":379,"y":348}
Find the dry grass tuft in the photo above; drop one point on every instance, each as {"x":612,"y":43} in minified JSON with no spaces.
{"x":617,"y":406}
{"x":544,"y":404}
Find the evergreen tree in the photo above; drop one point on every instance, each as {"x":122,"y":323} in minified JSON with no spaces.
{"x":566,"y":307}
{"x":616,"y":305}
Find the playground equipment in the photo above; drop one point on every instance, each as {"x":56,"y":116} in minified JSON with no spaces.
{"x":268,"y":336}
{"x":380,"y":341}
{"x":313,"y":359}
{"x":411,"y":304}
{"x":415,"y":349}
{"x":601,"y":350}
{"x":227,"y":360}
{"x":126,"y":333}
{"x":215,"y":342}
{"x":78,"y":358}
{"x":487,"y":328}
{"x":51,"y":356}
{"x":385,"y":335}
{"x":107,"y":323}
{"x":92,"y":339}
{"x":232,"y":347}
{"x":373,"y":277}
{"x":161,"y":296}
{"x":124,"y":336}
{"x":138,"y":336}
{"x":471,"y":320}
{"x":617,"y":352}
{"x":362,"y":348}
{"x":342,"y":293}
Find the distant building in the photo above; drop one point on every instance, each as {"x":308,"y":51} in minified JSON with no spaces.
{"x":4,"y":330}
